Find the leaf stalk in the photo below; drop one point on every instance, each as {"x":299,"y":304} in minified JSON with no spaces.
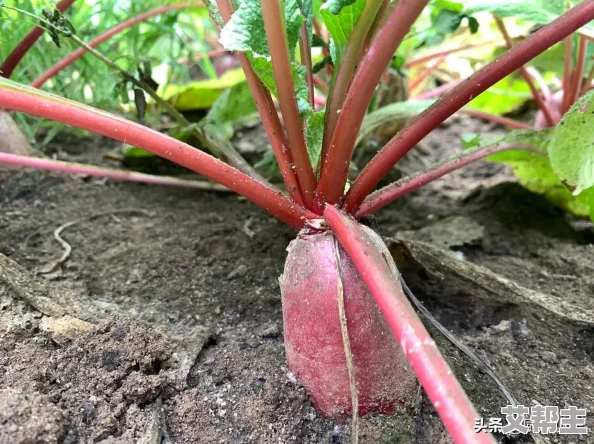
{"x":408,"y":184}
{"x":269,"y":116}
{"x":16,"y":97}
{"x":272,"y":11}
{"x":542,"y":105}
{"x":336,"y":164}
{"x":414,"y":132}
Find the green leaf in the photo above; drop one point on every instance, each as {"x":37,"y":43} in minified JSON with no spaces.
{"x":317,"y":6}
{"x":201,"y":94}
{"x":446,"y":17}
{"x":504,"y":97}
{"x":340,"y":17}
{"x":572,"y":146}
{"x":321,"y":64}
{"x":245,"y":33}
{"x":389,"y":113}
{"x":537,"y":139}
{"x":447,"y":4}
{"x":535,"y":11}
{"x":318,"y":42}
{"x":121,"y":91}
{"x":535,"y":173}
{"x":335,"y":7}
{"x":214,"y":13}
{"x":264,"y":70}
{"x":552,"y":60}
{"x":231,"y":107}
{"x":314,"y":134}
{"x":233,"y":104}
{"x":132,"y":152}
{"x":447,"y":21}
{"x":473,"y":25}
{"x":533,"y":170}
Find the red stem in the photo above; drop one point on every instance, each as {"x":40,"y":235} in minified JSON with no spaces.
{"x":413,"y":133}
{"x":588,"y":80}
{"x":281,"y":66}
{"x":77,"y":54}
{"x":542,"y":105}
{"x":23,"y":47}
{"x":346,"y":69}
{"x":306,"y":61}
{"x":567,"y":73}
{"x":542,"y":84}
{"x":578,"y":72}
{"x":378,"y":57}
{"x":321,"y":84}
{"x":510,"y":123}
{"x":396,"y":190}
{"x":109,"y":173}
{"x":451,"y":403}
{"x":17,"y":97}
{"x":428,"y":58}
{"x":274,"y":130}
{"x":379,"y":20}
{"x":269,"y":116}
{"x":426,"y":73}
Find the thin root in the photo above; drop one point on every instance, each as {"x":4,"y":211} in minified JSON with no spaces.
{"x":477,"y":360}
{"x":68,"y":248}
{"x":347,"y":348}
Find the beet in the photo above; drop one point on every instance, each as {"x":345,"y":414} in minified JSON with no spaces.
{"x":12,"y":140}
{"x":313,"y":339}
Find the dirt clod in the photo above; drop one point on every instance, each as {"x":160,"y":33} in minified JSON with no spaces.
{"x":30,"y":418}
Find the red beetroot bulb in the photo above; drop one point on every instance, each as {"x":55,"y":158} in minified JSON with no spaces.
{"x":313,"y":340}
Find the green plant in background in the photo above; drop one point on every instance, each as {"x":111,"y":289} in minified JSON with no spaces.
{"x":555,"y":80}
{"x":164,"y":40}
{"x":560,"y":82}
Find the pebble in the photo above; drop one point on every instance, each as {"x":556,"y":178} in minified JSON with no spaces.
{"x":549,"y":357}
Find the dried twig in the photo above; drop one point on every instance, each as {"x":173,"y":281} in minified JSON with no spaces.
{"x":68,"y":248}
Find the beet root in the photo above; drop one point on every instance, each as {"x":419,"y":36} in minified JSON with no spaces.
{"x":313,"y":340}
{"x":12,"y":140}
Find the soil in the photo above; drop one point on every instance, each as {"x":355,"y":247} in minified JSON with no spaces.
{"x":184,"y":342}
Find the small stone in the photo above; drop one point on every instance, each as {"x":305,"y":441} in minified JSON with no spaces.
{"x":257,"y":385}
{"x":65,"y":328}
{"x":548,"y":357}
